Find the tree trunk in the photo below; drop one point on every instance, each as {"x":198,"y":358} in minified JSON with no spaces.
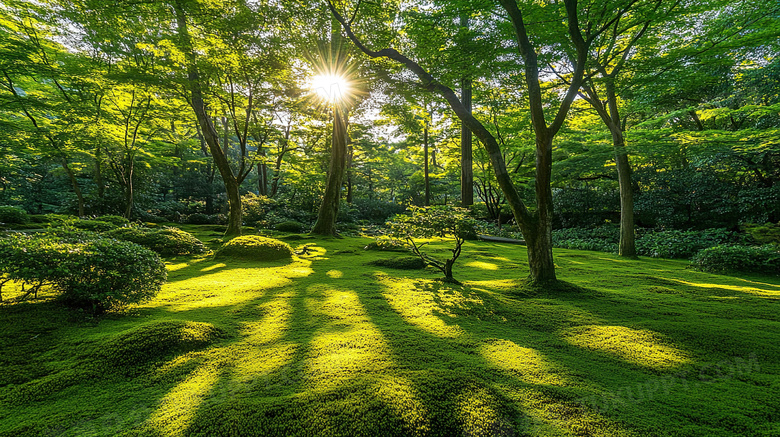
{"x":101,"y":186}
{"x":329,"y":208}
{"x":427,"y":175}
{"x":466,"y":159}
{"x":627,"y":247}
{"x":75,"y":184}
{"x":207,"y":127}
{"x":538,"y":231}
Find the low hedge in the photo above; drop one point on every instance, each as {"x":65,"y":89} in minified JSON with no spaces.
{"x":88,"y":271}
{"x":256,"y":248}
{"x":13,"y":215}
{"x":754,"y":259}
{"x":166,"y":241}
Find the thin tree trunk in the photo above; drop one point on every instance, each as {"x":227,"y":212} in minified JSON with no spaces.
{"x":427,"y":175}
{"x":466,"y":158}
{"x":74,"y":182}
{"x":329,"y":208}
{"x":207,"y":127}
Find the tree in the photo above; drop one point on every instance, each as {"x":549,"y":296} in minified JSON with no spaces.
{"x":535,"y":225}
{"x":429,"y":222}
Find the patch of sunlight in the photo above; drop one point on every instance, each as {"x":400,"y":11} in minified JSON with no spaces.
{"x":477,"y":412}
{"x":416,"y":304}
{"x":177,"y":409}
{"x":178,"y":266}
{"x":496,"y":284}
{"x":548,"y":415}
{"x":214,"y":267}
{"x":226,"y":287}
{"x":526,"y":364}
{"x":637,"y":346}
{"x":272,"y":326}
{"x":348,"y":345}
{"x":251,"y":362}
{"x":335,"y":274}
{"x":613,"y":260}
{"x":482,"y":265}
{"x":737,"y":288}
{"x":399,"y":394}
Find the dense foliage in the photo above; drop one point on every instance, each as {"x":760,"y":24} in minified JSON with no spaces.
{"x":739,"y":259}
{"x":166,"y":241}
{"x":433,"y":222}
{"x":95,"y":273}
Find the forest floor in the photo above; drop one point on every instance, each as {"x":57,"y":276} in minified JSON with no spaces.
{"x":329,"y":345}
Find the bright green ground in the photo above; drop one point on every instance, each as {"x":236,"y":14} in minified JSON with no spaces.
{"x":327,"y":345}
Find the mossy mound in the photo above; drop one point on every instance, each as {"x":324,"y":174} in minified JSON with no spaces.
{"x":165,"y":241}
{"x":256,"y":248}
{"x":290,"y":226}
{"x":155,"y":342}
{"x":400,"y":263}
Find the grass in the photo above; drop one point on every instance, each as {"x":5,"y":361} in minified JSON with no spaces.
{"x":327,"y":344}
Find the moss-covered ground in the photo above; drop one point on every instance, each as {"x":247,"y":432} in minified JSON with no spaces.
{"x":329,"y":345}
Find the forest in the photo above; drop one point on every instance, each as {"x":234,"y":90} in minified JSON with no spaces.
{"x":349,"y":217}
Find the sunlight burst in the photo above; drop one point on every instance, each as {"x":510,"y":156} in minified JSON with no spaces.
{"x":330,"y":88}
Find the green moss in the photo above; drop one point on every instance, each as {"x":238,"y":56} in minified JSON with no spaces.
{"x":155,"y":342}
{"x":167,"y":241}
{"x":255,"y":248}
{"x":327,"y":345}
{"x":400,"y":263}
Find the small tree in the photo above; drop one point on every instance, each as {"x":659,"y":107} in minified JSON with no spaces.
{"x":433,"y":221}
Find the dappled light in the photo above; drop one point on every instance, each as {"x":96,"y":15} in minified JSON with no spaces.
{"x":767,"y":291}
{"x":524,"y":363}
{"x":482,"y":265}
{"x":641,"y":347}
{"x":418,"y":305}
{"x":348,"y":345}
{"x":178,"y":407}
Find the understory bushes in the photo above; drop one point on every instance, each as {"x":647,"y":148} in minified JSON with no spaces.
{"x":88,"y":271}
{"x":649,"y":242}
{"x":13,"y":214}
{"x":166,"y":241}
{"x":755,"y":259}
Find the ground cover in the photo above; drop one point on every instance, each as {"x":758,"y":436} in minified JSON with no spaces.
{"x":328,"y":344}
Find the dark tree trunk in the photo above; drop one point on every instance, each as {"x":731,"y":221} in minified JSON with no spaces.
{"x":207,"y":127}
{"x":466,"y":158}
{"x":427,"y":174}
{"x":329,"y":208}
{"x":74,"y":182}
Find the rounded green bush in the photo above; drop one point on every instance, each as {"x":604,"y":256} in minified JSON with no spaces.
{"x":255,"y":247}
{"x":756,"y":259}
{"x":290,"y":226}
{"x":13,"y":214}
{"x":88,"y":271}
{"x":166,"y":241}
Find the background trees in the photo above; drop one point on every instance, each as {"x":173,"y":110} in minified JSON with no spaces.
{"x":175,"y":110}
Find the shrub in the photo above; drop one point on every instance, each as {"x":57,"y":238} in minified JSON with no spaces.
{"x":386,"y":243}
{"x":401,"y":263}
{"x":757,"y":259}
{"x":13,"y":214}
{"x":601,"y":238}
{"x":290,"y":226}
{"x":205,"y":219}
{"x":96,"y":273}
{"x":116,"y":220}
{"x":764,"y":234}
{"x":681,"y":244}
{"x":256,"y":248}
{"x":166,"y":241}
{"x":255,"y":207}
